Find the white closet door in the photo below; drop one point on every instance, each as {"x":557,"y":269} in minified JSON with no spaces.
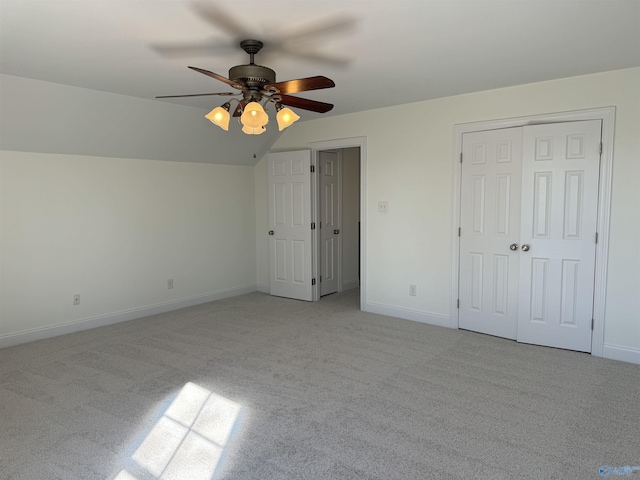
{"x":490,"y":225}
{"x":559,"y":212}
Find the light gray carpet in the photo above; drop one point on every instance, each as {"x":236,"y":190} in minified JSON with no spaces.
{"x":296,"y":390}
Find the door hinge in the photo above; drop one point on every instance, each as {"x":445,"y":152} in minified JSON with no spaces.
{"x":313,"y":168}
{"x":592,"y":323}
{"x":320,"y":278}
{"x":313,"y":225}
{"x":596,"y":237}
{"x":460,"y":157}
{"x":313,"y":281}
{"x":458,"y":303}
{"x":459,"y":231}
{"x":600,"y":148}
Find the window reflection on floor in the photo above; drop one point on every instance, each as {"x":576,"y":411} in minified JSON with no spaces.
{"x":189,"y":439}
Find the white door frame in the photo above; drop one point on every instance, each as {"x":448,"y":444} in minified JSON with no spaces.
{"x":607,"y":116}
{"x":336,"y":144}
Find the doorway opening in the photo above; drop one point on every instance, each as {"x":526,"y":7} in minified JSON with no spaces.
{"x":349,"y":264}
{"x":294,"y":218}
{"x":338,"y":220}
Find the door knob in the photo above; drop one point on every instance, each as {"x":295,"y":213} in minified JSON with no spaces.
{"x":513,"y":247}
{"x":525,"y":248}
{"x":271,"y":232}
{"x":336,"y":231}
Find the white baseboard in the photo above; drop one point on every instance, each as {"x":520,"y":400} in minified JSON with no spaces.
{"x":613,"y":352}
{"x":263,"y":287}
{"x":117,"y":317}
{"x":624,"y":354}
{"x":407,"y":314}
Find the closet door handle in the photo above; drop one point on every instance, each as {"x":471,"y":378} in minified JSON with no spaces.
{"x":525,"y":248}
{"x":513,"y":247}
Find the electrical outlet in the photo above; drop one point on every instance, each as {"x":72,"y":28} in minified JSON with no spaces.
{"x":412,"y":290}
{"x":170,"y":283}
{"x":383,"y":206}
{"x":76,"y":299}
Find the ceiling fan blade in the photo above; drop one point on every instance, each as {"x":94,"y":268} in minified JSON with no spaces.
{"x":217,"y":77}
{"x":202,"y":49}
{"x":310,"y":55}
{"x":321,"y":27}
{"x":220,"y":19}
{"x":306,"y":104}
{"x":303,"y":84}
{"x":198,"y":95}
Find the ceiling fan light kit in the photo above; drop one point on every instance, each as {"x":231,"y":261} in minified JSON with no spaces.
{"x":253,"y":131}
{"x":254,"y":116}
{"x":258,"y":84}
{"x":285,"y":117}
{"x":220,"y":116}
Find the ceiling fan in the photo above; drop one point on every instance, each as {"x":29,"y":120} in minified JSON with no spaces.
{"x":257,"y":84}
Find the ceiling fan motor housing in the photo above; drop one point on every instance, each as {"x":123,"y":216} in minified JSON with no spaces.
{"x":252,"y":75}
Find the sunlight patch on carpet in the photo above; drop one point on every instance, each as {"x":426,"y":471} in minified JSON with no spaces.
{"x":187,"y":442}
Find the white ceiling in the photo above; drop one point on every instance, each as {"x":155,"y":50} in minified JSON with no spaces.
{"x":400,"y":51}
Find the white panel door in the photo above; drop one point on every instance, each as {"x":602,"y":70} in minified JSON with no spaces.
{"x":490,"y":225}
{"x":289,"y":177}
{"x":330,"y":208}
{"x":560,"y":176}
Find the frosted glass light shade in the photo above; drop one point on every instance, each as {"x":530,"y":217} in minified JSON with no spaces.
{"x":253,"y":131}
{"x":286,"y":117}
{"x":254,"y":116}
{"x":220,"y":117}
